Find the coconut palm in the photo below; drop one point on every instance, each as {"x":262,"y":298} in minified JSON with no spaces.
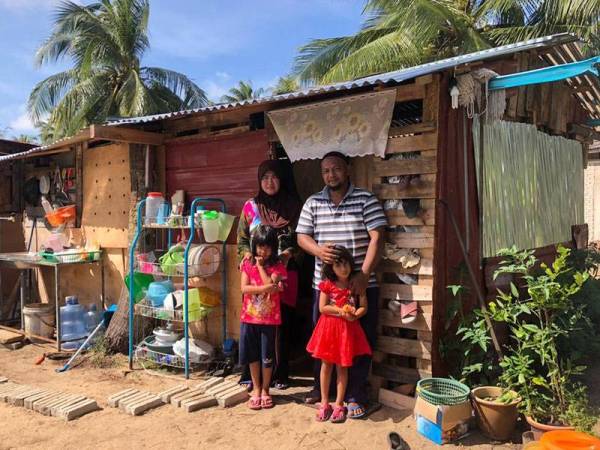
{"x":243,"y":91}
{"x":106,"y":42}
{"x":403,"y":33}
{"x":286,"y":85}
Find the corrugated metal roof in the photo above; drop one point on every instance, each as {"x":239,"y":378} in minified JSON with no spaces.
{"x":384,"y":78}
{"x":565,"y":43}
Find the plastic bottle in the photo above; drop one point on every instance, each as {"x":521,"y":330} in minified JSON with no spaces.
{"x":72,"y":318}
{"x":154,"y":201}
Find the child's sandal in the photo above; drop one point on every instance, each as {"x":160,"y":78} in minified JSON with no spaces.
{"x":338,"y":415}
{"x":324,"y":413}
{"x":255,"y":403}
{"x":266,"y":402}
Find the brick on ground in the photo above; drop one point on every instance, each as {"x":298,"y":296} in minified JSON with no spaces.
{"x":114,"y":399}
{"x":167,"y":394}
{"x":204,"y":401}
{"x":79,"y":409}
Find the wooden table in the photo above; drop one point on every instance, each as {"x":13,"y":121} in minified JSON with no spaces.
{"x":27,"y":261}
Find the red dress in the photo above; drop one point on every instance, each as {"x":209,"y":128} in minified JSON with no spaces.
{"x":335,"y":339}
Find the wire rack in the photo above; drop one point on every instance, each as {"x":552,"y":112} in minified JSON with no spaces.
{"x":143,"y":353}
{"x":202,"y":269}
{"x":145,"y":308}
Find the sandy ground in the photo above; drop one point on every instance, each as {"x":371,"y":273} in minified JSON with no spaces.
{"x":287,"y":426}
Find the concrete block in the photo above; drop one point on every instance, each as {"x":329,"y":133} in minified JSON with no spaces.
{"x":176,"y":399}
{"x":30,"y":401}
{"x":6,"y":395}
{"x":232,"y":397}
{"x":56,"y":409}
{"x":45,"y":410}
{"x":124,"y":403}
{"x":205,"y":401}
{"x":166,"y":395}
{"x":79,"y":409}
{"x":7,"y":387}
{"x":142,"y":407}
{"x":58,"y":396}
{"x":113,"y":400}
{"x":18,"y":399}
{"x":221,"y":388}
{"x":211,"y":382}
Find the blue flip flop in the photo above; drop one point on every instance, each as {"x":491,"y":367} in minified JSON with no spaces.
{"x":355,"y":407}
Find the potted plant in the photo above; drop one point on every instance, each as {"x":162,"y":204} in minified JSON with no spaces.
{"x":538,"y":316}
{"x":496,"y":411}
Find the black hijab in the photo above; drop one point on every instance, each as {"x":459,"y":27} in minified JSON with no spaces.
{"x":281,"y":209}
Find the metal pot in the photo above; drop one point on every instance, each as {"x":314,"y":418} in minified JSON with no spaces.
{"x":165,"y":336}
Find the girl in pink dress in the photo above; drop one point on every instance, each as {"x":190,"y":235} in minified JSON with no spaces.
{"x":338,"y":336}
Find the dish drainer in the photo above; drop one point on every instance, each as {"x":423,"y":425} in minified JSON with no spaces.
{"x":182,"y":270}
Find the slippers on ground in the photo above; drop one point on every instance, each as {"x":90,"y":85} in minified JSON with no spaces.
{"x":338,"y":415}
{"x":353,"y":407}
{"x":266,"y":402}
{"x":396,"y":442}
{"x":324,"y":413}
{"x":255,"y":403}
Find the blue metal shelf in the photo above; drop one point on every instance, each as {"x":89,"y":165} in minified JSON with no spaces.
{"x":140,"y":228}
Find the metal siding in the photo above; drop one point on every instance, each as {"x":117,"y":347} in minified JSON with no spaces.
{"x":222,"y":167}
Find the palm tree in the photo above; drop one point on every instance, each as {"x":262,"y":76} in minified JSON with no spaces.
{"x":243,"y":91}
{"x":26,"y":138}
{"x":285,"y":85}
{"x":404,"y":33}
{"x":106,"y":42}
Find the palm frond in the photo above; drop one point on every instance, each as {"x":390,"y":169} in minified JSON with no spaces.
{"x":190,"y":94}
{"x":47,"y":93}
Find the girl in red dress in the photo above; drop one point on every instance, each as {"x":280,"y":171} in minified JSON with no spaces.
{"x":338,"y":336}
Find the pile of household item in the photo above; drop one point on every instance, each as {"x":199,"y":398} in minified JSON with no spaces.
{"x":157,"y":278}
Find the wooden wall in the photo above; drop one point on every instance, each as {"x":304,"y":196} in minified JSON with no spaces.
{"x":403,"y":353}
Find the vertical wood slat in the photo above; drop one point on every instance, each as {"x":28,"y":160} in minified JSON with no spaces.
{"x":79,"y":149}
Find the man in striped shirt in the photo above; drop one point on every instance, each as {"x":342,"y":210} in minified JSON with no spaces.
{"x":342,"y":214}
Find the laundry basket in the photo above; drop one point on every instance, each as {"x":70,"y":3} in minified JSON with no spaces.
{"x":442,"y":391}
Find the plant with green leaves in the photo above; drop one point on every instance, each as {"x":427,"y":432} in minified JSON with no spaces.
{"x":402,"y":33}
{"x":105,"y":41}
{"x":538,"y":315}
{"x":242,"y":92}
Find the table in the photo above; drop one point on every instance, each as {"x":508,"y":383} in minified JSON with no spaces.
{"x":28,"y":261}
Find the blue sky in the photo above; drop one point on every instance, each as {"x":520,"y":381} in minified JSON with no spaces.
{"x":216,"y":43}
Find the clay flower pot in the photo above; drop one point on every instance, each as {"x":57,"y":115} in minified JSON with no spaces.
{"x":496,"y":420}
{"x":539,"y":428}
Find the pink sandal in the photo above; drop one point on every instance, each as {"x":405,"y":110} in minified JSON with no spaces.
{"x":324,"y":413}
{"x":339,"y":414}
{"x":255,"y":403}
{"x":266,"y":402}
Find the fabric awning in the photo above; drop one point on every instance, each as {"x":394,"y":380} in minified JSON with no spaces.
{"x":356,"y":125}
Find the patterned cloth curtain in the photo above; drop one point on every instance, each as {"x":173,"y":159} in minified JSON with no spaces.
{"x":356,"y":125}
{"x":532,"y":186}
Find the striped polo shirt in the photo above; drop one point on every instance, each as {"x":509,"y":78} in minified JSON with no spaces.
{"x":346,"y":224}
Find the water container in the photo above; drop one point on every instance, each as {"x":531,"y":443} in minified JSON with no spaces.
{"x":92,"y":319}
{"x":210,"y":226}
{"x":154,"y":202}
{"x":72,"y":320}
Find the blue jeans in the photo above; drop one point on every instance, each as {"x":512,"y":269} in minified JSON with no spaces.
{"x":357,"y":390}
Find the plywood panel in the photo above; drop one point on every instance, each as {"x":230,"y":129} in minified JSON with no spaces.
{"x":106,"y":195}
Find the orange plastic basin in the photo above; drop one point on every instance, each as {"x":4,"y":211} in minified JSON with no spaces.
{"x":55,"y":219}
{"x":568,"y":440}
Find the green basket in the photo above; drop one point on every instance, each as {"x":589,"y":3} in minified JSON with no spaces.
{"x":442,"y":391}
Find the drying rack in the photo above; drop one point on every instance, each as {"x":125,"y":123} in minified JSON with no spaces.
{"x":143,"y":308}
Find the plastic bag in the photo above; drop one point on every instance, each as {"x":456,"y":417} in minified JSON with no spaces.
{"x":199,"y":350}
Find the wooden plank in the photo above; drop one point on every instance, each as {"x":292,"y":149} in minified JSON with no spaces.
{"x":423,"y":335}
{"x":409,"y":92}
{"x":425,"y":79}
{"x":397,"y":217}
{"x":425,"y":267}
{"x":395,"y":191}
{"x":79,"y":183}
{"x":129,"y":135}
{"x":399,"y":374}
{"x":9,"y":337}
{"x":396,"y":167}
{"x":388,"y":319}
{"x":431,"y":100}
{"x":406,"y":292}
{"x":404,"y":347}
{"x":411,"y":240}
{"x":395,"y":400}
{"x":404,"y":130}
{"x":424,"y":364}
{"x":403,"y":144}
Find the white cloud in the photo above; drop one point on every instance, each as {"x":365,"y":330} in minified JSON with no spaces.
{"x":22,"y":124}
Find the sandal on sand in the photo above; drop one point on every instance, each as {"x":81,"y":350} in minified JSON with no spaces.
{"x":255,"y":403}
{"x":353,"y":407}
{"x":339,"y":414}
{"x":266,"y":402}
{"x":324,"y":413}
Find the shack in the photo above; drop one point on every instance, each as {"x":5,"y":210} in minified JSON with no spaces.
{"x":439,"y":165}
